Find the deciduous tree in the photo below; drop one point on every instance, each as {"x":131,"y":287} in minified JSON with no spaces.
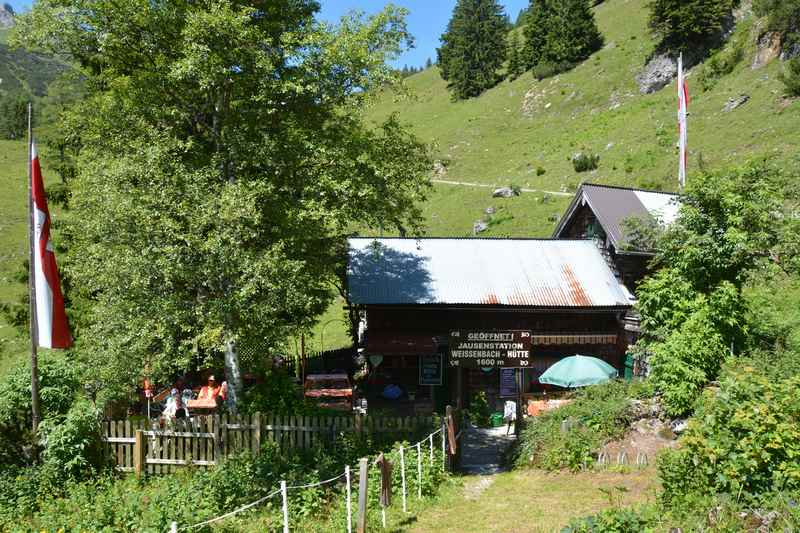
{"x":223,"y":159}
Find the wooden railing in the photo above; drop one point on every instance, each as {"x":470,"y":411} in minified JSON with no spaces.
{"x":203,"y":441}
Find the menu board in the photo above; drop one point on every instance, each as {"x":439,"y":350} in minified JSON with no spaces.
{"x":490,"y":349}
{"x":430,"y":370}
{"x":508,"y":382}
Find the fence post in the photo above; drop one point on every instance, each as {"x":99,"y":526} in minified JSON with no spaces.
{"x":430,"y":440}
{"x":403,"y":477}
{"x":361,"y":525}
{"x":444,"y":448}
{"x":359,"y":424}
{"x":285,"y":507}
{"x":216,"y":430}
{"x":448,"y":410}
{"x":419,"y":471}
{"x":349,"y":504}
{"x":257,"y":432}
{"x":139,"y":454}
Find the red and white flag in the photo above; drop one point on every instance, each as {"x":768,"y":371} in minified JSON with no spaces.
{"x":51,"y":318}
{"x":683,"y":107}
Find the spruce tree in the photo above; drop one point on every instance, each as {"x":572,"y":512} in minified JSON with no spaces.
{"x":473,"y":47}
{"x":428,"y":63}
{"x":560,"y":33}
{"x":688,"y":24}
{"x":515,"y":67}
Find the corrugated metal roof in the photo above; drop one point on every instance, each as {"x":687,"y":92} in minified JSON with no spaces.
{"x":612,"y":205}
{"x":516,"y":272}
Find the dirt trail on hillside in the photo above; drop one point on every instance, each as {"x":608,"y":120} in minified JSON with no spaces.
{"x":489,"y":186}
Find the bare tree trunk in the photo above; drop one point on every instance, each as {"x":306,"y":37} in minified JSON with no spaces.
{"x":232,"y":374}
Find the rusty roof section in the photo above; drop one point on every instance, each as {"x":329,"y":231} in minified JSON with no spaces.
{"x":506,"y":272}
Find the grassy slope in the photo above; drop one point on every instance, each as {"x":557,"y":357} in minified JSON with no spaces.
{"x":13,"y":247}
{"x":13,"y":243}
{"x":489,"y":140}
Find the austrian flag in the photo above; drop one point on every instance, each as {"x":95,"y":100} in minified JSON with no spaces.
{"x":51,"y":319}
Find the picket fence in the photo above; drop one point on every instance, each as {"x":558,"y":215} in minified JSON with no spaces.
{"x":136,"y":445}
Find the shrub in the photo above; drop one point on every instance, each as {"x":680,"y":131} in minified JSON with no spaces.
{"x":722,"y":62}
{"x":615,"y":520}
{"x":276,"y":394}
{"x":790,"y":76}
{"x":540,"y":171}
{"x":73,"y":449}
{"x":548,"y":69}
{"x":59,"y":382}
{"x":479,"y":410}
{"x":597,"y":414}
{"x":583,"y":161}
{"x":745,"y":438}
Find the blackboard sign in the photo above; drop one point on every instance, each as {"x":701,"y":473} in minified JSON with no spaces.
{"x":490,"y":349}
{"x":508,"y":382}
{"x":430,"y":370}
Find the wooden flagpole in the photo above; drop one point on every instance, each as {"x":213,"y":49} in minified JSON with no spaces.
{"x":32,"y":280}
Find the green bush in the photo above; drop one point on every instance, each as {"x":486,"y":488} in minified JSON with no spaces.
{"x":615,"y":520}
{"x":744,"y":439}
{"x":549,"y":69}
{"x":41,"y":498}
{"x":73,"y":448}
{"x":276,"y":394}
{"x":583,"y":161}
{"x":790,"y":76}
{"x":723,"y":61}
{"x":688,"y":359}
{"x":597,"y":414}
{"x":59,"y":383}
{"x":479,"y":411}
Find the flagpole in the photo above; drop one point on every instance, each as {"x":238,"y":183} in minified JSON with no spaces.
{"x":32,"y":281}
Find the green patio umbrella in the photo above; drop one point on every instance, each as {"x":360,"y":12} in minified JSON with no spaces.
{"x":578,"y":371}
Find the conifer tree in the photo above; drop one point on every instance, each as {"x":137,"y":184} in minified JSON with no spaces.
{"x":473,"y":47}
{"x":515,"y":67}
{"x":560,"y":33}
{"x":428,"y":63}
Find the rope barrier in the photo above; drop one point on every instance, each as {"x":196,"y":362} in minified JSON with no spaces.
{"x":284,"y":488}
{"x":237,"y":511}
{"x":317,"y":484}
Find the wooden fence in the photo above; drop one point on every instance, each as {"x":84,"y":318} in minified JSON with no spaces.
{"x":202,"y":441}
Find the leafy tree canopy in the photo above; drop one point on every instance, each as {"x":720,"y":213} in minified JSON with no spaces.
{"x":732,"y":224}
{"x":473,"y":47}
{"x":222,"y":160}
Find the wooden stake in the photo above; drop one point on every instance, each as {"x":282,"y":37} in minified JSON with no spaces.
{"x":139,"y":454}
{"x":361,"y":524}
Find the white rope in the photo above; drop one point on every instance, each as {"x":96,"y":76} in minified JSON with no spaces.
{"x":270,"y":495}
{"x":237,"y":511}
{"x":316,"y":484}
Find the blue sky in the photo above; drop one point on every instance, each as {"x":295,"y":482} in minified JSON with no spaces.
{"x":426,"y":21}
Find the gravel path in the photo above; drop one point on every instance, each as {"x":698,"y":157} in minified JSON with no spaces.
{"x":483,"y":449}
